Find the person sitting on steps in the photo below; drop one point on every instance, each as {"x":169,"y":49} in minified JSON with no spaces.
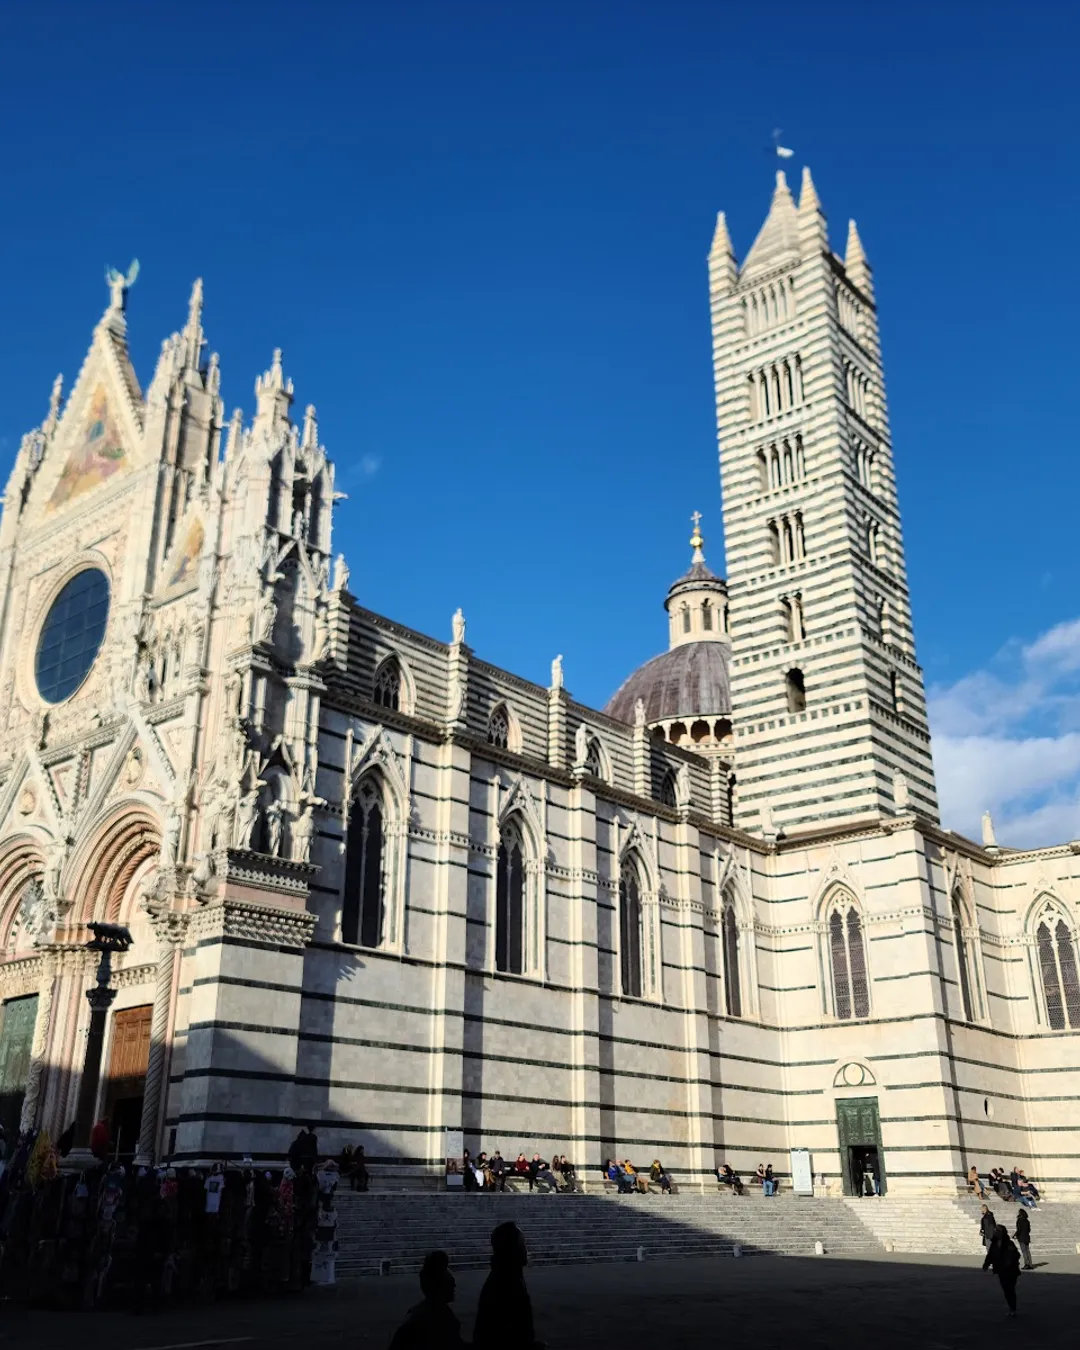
{"x":727,"y":1176}
{"x":976,"y":1185}
{"x":498,"y":1172}
{"x":659,"y":1177}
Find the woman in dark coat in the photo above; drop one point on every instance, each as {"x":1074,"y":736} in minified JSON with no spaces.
{"x":987,"y":1226}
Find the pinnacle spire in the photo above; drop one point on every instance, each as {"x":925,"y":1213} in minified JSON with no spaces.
{"x":310,"y":436}
{"x":808,"y":198}
{"x":778,"y":238}
{"x":721,"y":243}
{"x":855,"y":261}
{"x":193,"y":333}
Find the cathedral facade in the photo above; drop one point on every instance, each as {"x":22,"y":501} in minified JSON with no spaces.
{"x":377,"y":884}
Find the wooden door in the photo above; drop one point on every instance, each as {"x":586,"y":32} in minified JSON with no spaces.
{"x":858,"y":1124}
{"x":126,"y":1078}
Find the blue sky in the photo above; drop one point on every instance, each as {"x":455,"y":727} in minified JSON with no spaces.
{"x":479,"y":233}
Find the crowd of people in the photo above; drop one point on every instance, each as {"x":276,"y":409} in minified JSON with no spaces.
{"x":484,"y":1173}
{"x":1012,"y":1185}
{"x":127,"y":1234}
{"x":628,"y":1180}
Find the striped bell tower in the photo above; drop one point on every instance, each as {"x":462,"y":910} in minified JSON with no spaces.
{"x":828,"y":701}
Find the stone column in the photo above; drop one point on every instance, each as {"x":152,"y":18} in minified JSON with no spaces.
{"x":39,"y":1045}
{"x":169,"y":928}
{"x":100,"y":998}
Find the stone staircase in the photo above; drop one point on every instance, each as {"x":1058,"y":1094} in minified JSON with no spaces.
{"x":577,"y":1229}
{"x":950,"y":1227}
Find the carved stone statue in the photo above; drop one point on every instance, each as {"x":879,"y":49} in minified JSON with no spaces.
{"x":275,"y":826}
{"x":768,"y":825}
{"x":989,"y":838}
{"x":245,"y":818}
{"x":55,"y":860}
{"x":557,"y":673}
{"x":37,"y":913}
{"x":581,"y":745}
{"x":341,"y":572}
{"x":900,"y":794}
{"x":639,"y":713}
{"x":682,"y":786}
{"x":303,"y":831}
{"x":458,"y":626}
{"x":170,"y":839}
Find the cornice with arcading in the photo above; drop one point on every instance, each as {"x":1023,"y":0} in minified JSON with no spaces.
{"x":253,"y":923}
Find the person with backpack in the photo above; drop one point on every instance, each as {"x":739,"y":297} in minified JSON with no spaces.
{"x":1003,"y":1258}
{"x":1023,"y":1237}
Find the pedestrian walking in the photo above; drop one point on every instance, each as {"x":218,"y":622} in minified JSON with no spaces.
{"x":1023,"y":1237}
{"x":987,"y":1226}
{"x":504,"y":1319}
{"x":1003,"y":1258}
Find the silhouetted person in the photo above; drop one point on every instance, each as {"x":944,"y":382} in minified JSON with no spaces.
{"x":1023,"y":1237}
{"x":504,"y":1319}
{"x":304,"y":1150}
{"x":1003,"y":1258}
{"x":431,"y":1325}
{"x":987,"y":1226}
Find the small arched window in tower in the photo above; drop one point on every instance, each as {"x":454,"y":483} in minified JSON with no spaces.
{"x":872,"y":541}
{"x":667,"y":789}
{"x":730,"y":939}
{"x":630,"y":930}
{"x":676,"y":732}
{"x":498,"y":733}
{"x":686,"y":618}
{"x":273,"y":500}
{"x":795,"y":686}
{"x":763,"y":469}
{"x":315,"y":503}
{"x":364,"y":901}
{"x":706,"y":616}
{"x":594,"y":759}
{"x":851,"y":992}
{"x":774,"y":543}
{"x":895,"y":693}
{"x":962,"y":960}
{"x":731,"y":799}
{"x":776,"y":478}
{"x":510,"y":904}
{"x":1057,"y":964}
{"x":387,"y":688}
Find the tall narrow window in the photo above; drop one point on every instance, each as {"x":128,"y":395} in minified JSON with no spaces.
{"x":796,"y":691}
{"x":851,"y":986}
{"x":840,"y":976}
{"x":894,"y":691}
{"x":510,"y":905}
{"x":730,"y":937}
{"x":685,"y":619}
{"x":962,"y":961}
{"x":774,"y":543}
{"x":594,"y":759}
{"x":1057,"y":961}
{"x":667,"y":789}
{"x":364,"y":902}
{"x":499,"y":728}
{"x":630,"y":930}
{"x":706,"y":617}
{"x":387,"y":689}
{"x":860,"y":990}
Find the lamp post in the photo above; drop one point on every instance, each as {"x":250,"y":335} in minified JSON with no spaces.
{"x":108,"y":938}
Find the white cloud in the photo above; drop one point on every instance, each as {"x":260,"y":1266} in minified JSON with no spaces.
{"x":1007,"y":740}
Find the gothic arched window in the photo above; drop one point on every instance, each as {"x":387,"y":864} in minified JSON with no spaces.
{"x":706,"y":616}
{"x":387,"y":690}
{"x":729,"y":936}
{"x":686,"y":618}
{"x":1057,"y":964}
{"x":499,"y":728}
{"x":364,"y":909}
{"x":963,"y":969}
{"x":667,"y":788}
{"x":594,"y":759}
{"x":851,"y":991}
{"x":510,"y":904}
{"x":630,"y":929}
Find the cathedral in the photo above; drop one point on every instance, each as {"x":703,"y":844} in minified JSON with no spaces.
{"x":375,"y":883}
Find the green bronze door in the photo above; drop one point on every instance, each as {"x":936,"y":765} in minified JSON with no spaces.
{"x":17,"y":1017}
{"x":859,"y":1127}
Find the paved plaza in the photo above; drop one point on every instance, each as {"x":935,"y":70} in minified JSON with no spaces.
{"x":925,"y":1302}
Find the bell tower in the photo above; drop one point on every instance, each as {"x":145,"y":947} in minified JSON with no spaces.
{"x":828,"y":701}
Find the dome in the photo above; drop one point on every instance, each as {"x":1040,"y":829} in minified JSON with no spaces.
{"x":690,"y":680}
